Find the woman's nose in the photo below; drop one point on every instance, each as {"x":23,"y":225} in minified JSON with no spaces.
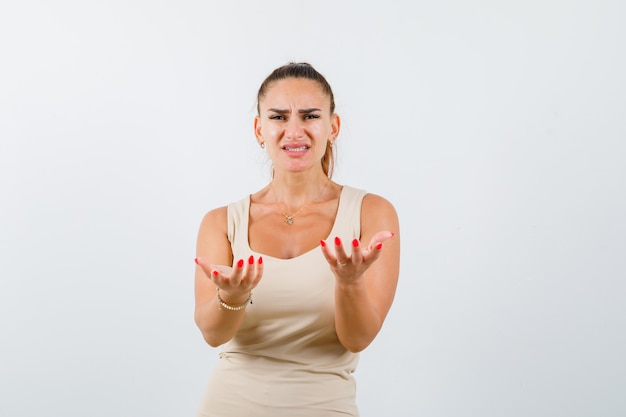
{"x":294,"y":129}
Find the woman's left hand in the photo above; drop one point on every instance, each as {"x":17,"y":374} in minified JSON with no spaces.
{"x":349,"y":267}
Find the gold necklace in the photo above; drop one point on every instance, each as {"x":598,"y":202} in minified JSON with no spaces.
{"x":288,"y":218}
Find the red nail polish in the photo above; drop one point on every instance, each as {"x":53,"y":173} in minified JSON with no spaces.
{"x":392,"y":234}
{"x":260,"y":260}
{"x":337,"y":241}
{"x":355,"y":243}
{"x":196,"y":261}
{"x":379,"y":246}
{"x":240,"y":263}
{"x":215,"y":272}
{"x":251,"y":260}
{"x":322,"y":243}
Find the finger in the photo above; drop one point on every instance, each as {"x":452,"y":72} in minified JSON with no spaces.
{"x":357,"y":253}
{"x":210,"y":270}
{"x":237,"y":275}
{"x":258,"y":272}
{"x":250,"y":273}
{"x":221,"y":271}
{"x":203,"y":266}
{"x":340,"y":252}
{"x":220,"y":275}
{"x":373,"y":254}
{"x":327,"y":254}
{"x":380,"y":237}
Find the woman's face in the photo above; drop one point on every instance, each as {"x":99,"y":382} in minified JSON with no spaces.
{"x":295,"y":124}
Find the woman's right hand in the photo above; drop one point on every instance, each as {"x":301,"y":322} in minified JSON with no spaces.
{"x":235,"y":283}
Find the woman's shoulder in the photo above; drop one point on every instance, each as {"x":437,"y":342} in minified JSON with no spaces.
{"x":218,"y":217}
{"x":371,"y":201}
{"x":378,"y":212}
{"x":376,"y":202}
{"x":221,"y":213}
{"x":372,"y":205}
{"x":215,"y":219}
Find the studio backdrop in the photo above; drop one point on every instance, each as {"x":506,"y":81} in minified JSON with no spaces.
{"x":495,"y":128}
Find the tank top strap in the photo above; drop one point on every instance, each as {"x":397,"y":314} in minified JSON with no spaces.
{"x":238,"y":216}
{"x":348,"y":220}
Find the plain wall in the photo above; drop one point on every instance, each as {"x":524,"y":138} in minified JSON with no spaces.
{"x":495,"y":128}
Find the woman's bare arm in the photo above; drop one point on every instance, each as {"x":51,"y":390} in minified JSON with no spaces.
{"x":214,"y":257}
{"x":366,"y":278}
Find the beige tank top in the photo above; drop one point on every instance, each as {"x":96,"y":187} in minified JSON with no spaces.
{"x":292,"y":317}
{"x":286,"y":359}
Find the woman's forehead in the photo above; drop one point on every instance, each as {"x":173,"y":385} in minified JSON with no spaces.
{"x":295,"y":91}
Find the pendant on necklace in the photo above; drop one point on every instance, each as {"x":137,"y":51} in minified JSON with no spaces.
{"x":288,"y":218}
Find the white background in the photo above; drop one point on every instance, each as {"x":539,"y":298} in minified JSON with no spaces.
{"x":496,"y":128}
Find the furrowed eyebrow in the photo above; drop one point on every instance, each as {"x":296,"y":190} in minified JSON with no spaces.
{"x":301,"y":111}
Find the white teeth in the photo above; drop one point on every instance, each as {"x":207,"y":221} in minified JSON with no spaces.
{"x":301,"y":148}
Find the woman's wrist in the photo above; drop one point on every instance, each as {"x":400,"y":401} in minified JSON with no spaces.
{"x":232,"y":303}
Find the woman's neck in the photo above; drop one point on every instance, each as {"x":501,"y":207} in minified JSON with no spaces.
{"x":296,"y":190}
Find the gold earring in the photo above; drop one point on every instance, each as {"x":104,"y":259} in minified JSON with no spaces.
{"x":262,"y":145}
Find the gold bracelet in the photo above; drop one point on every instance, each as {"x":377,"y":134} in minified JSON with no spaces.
{"x":228,"y":306}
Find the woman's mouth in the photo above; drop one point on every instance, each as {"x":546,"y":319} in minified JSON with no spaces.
{"x":295,"y":149}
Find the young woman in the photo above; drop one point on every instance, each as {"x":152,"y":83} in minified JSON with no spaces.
{"x":296,"y":279}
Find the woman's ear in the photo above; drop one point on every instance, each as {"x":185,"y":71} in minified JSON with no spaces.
{"x":257,"y":129}
{"x":335,"y":126}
